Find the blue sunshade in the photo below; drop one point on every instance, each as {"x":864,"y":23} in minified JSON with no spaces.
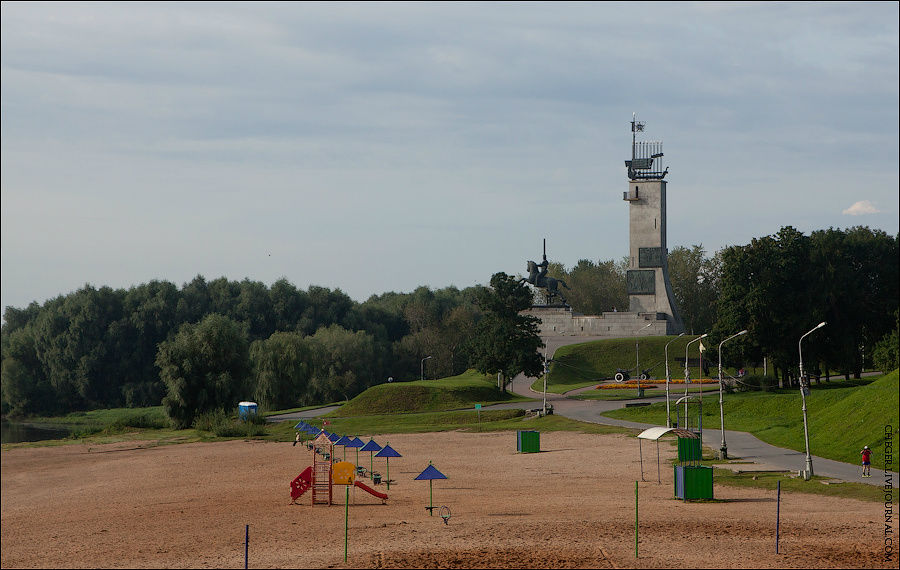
{"x":371,"y":446}
{"x":355,"y":443}
{"x":430,"y":473}
{"x":387,"y":451}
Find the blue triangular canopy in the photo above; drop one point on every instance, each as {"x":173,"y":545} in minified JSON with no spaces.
{"x":301,"y":425}
{"x":371,"y":446}
{"x":311,"y":430}
{"x":430,"y":473}
{"x":387,"y":451}
{"x":344,"y":440}
{"x":334,"y":437}
{"x":356,"y":443}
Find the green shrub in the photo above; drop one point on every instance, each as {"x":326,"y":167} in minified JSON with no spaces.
{"x":87,"y":430}
{"x":211,"y":421}
{"x":239,"y":429}
{"x":756,"y":383}
{"x":221,"y":424}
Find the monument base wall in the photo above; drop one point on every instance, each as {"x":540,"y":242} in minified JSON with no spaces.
{"x":561,"y":321}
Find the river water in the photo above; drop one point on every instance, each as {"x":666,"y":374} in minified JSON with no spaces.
{"x":17,"y":432}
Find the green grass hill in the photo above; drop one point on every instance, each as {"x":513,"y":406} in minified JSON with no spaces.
{"x":453,"y":393}
{"x":579,"y":365}
{"x":843,"y":417}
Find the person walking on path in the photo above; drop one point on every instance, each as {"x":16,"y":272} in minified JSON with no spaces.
{"x":866,"y":461}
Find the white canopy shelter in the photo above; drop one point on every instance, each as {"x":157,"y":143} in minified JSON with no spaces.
{"x":654,"y":434}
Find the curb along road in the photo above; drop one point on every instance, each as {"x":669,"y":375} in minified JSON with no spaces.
{"x":740,"y":444}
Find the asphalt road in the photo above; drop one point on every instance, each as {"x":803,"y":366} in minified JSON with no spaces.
{"x":740,"y":445}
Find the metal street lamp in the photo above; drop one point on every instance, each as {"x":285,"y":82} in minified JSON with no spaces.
{"x":669,"y":378}
{"x":637,"y":359}
{"x":723,"y":451}
{"x":546,"y":371}
{"x":804,"y":388}
{"x":687,"y":380}
{"x":423,"y":367}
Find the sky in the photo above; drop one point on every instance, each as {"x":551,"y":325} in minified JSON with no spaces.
{"x":377,"y":147}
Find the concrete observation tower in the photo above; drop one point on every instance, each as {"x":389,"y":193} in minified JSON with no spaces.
{"x":652,"y":309}
{"x":649,"y":289}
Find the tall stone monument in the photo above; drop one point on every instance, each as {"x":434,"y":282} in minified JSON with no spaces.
{"x":652,"y":309}
{"x":649,"y":289}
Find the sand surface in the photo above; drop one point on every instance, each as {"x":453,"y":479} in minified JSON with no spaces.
{"x":132,"y":505}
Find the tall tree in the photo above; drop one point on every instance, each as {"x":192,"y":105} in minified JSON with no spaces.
{"x":594,"y":288}
{"x":695,"y":283}
{"x":281,"y":370}
{"x":505,"y":341}
{"x":344,"y":362}
{"x":205,"y":367}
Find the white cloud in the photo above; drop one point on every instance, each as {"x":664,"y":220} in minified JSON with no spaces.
{"x":861,"y":208}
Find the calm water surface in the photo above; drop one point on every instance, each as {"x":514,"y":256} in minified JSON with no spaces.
{"x":16,"y":432}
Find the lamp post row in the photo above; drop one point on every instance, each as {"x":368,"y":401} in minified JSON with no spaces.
{"x":723,"y":450}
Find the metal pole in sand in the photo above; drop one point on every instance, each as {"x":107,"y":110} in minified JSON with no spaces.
{"x":635,"y":519}
{"x":346,"y":522}
{"x":777,"y":516}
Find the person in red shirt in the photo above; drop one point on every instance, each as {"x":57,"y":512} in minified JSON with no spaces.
{"x":866,"y":455}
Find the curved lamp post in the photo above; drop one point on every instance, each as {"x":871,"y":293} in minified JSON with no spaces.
{"x":637,"y":357}
{"x":687,"y":380}
{"x":423,"y":367}
{"x":804,"y":386}
{"x":723,"y":451}
{"x":668,"y":378}
{"x":546,"y":371}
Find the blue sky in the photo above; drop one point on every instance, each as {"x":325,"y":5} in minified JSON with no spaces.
{"x":377,"y":147}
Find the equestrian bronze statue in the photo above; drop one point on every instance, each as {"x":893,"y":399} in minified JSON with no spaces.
{"x":537,"y":276}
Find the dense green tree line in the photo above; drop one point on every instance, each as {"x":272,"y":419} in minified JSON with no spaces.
{"x":597,"y":287}
{"x":777,"y":287}
{"x":211,"y":343}
{"x":101,"y":347}
{"x":781,"y":286}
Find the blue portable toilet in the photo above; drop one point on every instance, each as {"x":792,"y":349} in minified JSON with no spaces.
{"x":247,"y":409}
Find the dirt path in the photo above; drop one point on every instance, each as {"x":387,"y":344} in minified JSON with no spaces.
{"x":571,"y":506}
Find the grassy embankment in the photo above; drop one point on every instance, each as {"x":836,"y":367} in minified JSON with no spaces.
{"x":415,"y":407}
{"x":842,"y":416}
{"x":402,"y":407}
{"x":580,"y":365}
{"x":441,"y":405}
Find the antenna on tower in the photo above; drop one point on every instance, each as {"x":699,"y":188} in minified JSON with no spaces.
{"x":645,"y":155}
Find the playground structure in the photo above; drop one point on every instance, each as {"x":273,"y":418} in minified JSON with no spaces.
{"x":320,"y":476}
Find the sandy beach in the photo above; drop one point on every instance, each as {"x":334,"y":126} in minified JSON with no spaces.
{"x":140,"y":505}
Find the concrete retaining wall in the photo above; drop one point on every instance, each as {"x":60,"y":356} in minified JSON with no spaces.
{"x":559,"y":321}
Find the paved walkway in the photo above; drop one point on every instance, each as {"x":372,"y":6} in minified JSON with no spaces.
{"x":741,"y":445}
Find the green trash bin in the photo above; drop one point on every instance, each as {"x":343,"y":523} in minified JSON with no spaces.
{"x":528,"y":441}
{"x":693,"y":482}
{"x":689,"y":449}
